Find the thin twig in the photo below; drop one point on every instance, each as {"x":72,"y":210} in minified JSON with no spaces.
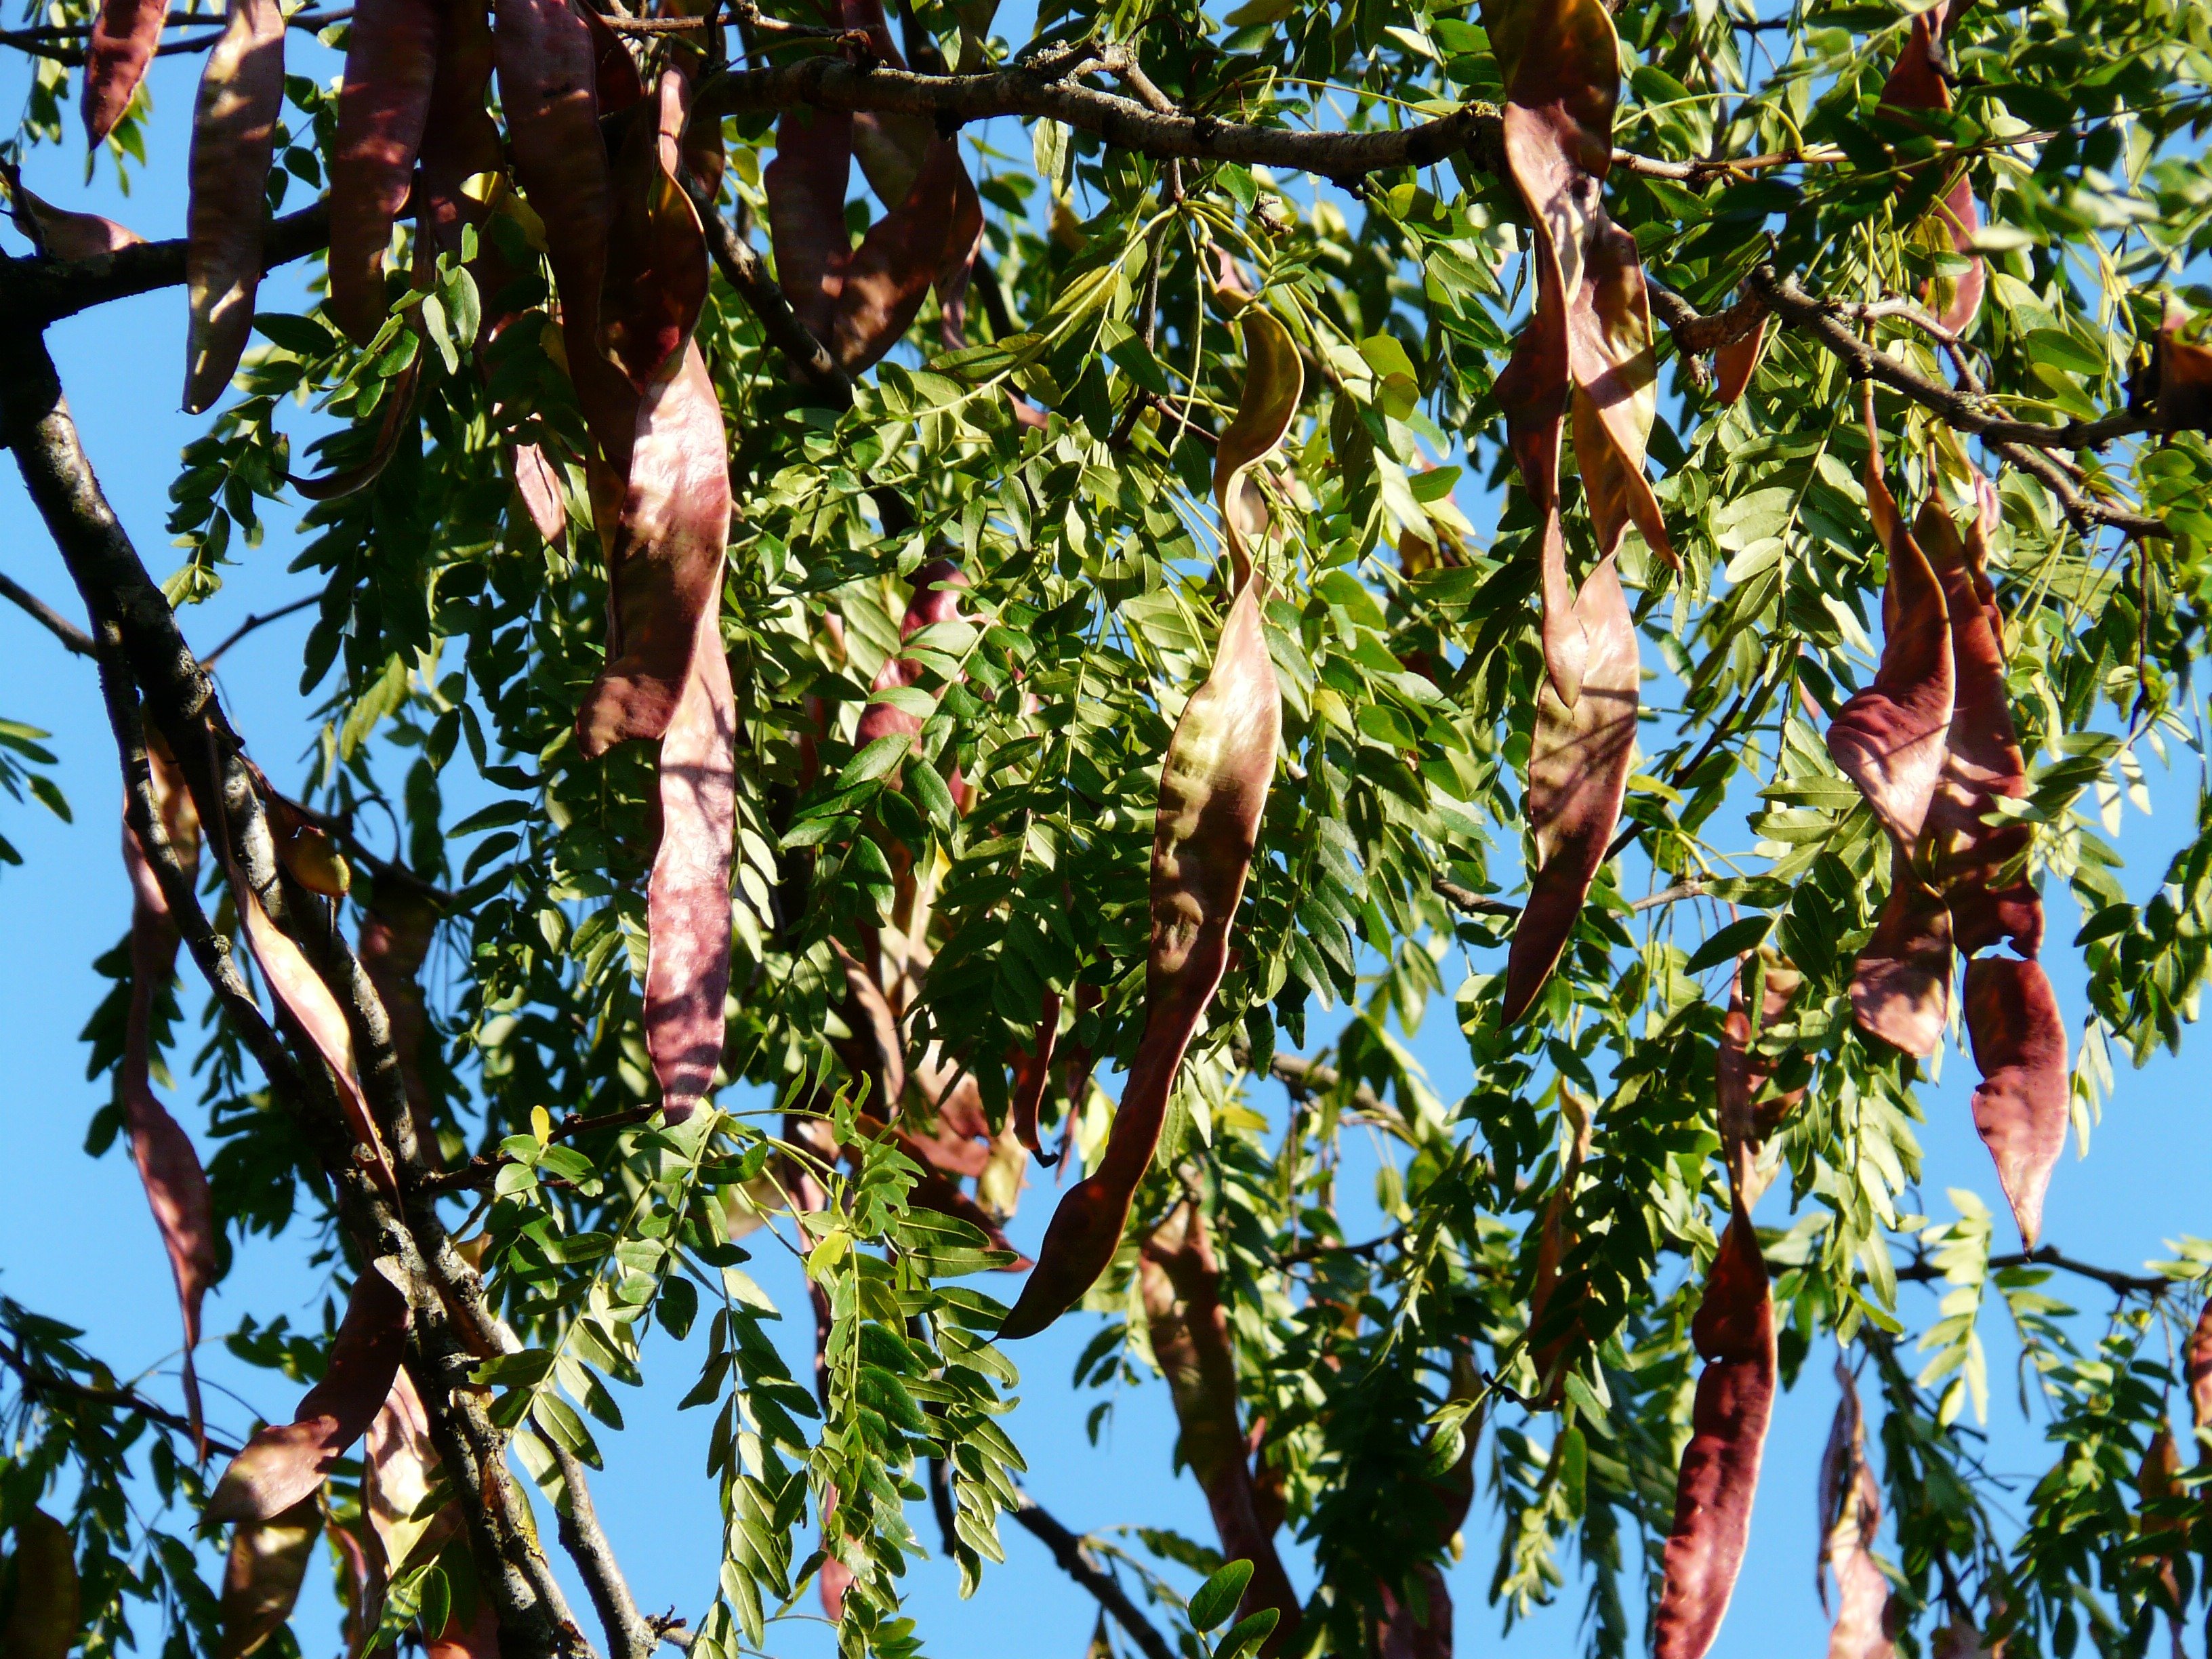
{"x":481,"y":1170}
{"x":37,"y":1383}
{"x":1075,"y":1561}
{"x":47,"y":617}
{"x":253,"y":622}
{"x":629,"y":1635}
{"x":2049,"y":1255}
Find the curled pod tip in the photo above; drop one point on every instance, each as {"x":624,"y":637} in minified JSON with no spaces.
{"x":2022,"y":1106}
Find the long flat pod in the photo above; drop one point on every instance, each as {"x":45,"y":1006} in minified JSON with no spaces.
{"x":460,"y":140}
{"x":1733,"y":1334}
{"x":122,"y":43}
{"x":61,"y":233}
{"x":688,"y":896}
{"x":1919,"y":81}
{"x":262,"y":1575}
{"x":1889,"y":739}
{"x":2021,"y":1108}
{"x":1213,"y":786}
{"x":1901,"y":983}
{"x":664,"y":563}
{"x":1179,"y":1282}
{"x":1555,"y":1332}
{"x":384,"y":105}
{"x":47,"y":1607}
{"x":169,"y":1165}
{"x":1740,"y":1075}
{"x":900,"y":258}
{"x":547,"y":82}
{"x":1851,"y":1517}
{"x":233,"y":139}
{"x":656,"y":274}
{"x":283,"y":1463}
{"x":806,"y":185}
{"x":397,"y":926}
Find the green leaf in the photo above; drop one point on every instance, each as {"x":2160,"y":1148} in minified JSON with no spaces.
{"x":1217,"y":1598}
{"x":1741,"y":935}
{"x":1246,"y":1635}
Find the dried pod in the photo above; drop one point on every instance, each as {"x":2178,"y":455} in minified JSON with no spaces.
{"x":2181,"y":377}
{"x":1213,"y":788}
{"x":1921,"y":81}
{"x":168,"y":1165}
{"x":1556,"y":1334}
{"x":538,"y":486}
{"x":399,"y":1465}
{"x":43,"y":1621}
{"x":2021,"y":1107}
{"x":284,"y":1464}
{"x":1982,"y":765}
{"x":301,"y":992}
{"x":460,"y":140}
{"x":1889,"y":739}
{"x":932,"y":229}
{"x":396,"y":925}
{"x":2197,"y":1370}
{"x":234,"y":140}
{"x":1179,"y":1282}
{"x":394,"y":419}
{"x":2158,"y":1482}
{"x":476,"y":1639}
{"x":934,"y":597}
{"x":547,"y":58}
{"x":656,"y":274}
{"x":1274,"y":380}
{"x":805,"y":186}
{"x":1733,"y":1333}
{"x":1033,"y":1076}
{"x":688,"y":896}
{"x":1734,"y":363}
{"x":1741,"y":1076}
{"x":60,"y":234}
{"x":124,"y":37}
{"x":384,"y":105}
{"x":1851,"y":1516}
{"x":261,"y":1578}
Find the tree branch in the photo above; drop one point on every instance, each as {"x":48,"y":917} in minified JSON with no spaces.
{"x":628,"y":1636}
{"x":480,"y":1170}
{"x":37,"y":1383}
{"x":1075,"y":1561}
{"x":35,"y":292}
{"x":2048,"y":1255}
{"x":46,"y":617}
{"x":741,"y":268}
{"x":253,"y":622}
{"x":831,"y":82}
{"x":142,"y":653}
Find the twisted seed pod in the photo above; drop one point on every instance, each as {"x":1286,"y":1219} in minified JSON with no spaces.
{"x":460,"y":138}
{"x":1739,"y":1076}
{"x":384,"y":105}
{"x":1733,"y":1334}
{"x":1557,"y":1333}
{"x":168,"y":1165}
{"x":656,"y":275}
{"x":1213,"y":786}
{"x":233,"y":139}
{"x":1851,"y":1517}
{"x":805,"y":186}
{"x":284,"y":1463}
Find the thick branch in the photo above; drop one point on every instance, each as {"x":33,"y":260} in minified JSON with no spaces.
{"x":1067,"y":1550}
{"x":46,"y":617}
{"x":831,"y":82}
{"x":34,"y":292}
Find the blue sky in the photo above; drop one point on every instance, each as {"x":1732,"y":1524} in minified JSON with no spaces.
{"x":75,"y":1240}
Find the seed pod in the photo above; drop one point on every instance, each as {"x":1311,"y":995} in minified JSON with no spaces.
{"x":168,"y":1165}
{"x":1213,"y":786}
{"x":1556,"y":1333}
{"x":396,"y":925}
{"x":2158,"y":1481}
{"x":395,"y":419}
{"x":304,"y":847}
{"x":1734,"y":363}
{"x":1739,"y":1076}
{"x":547,"y":80}
{"x":664,"y":559}
{"x":460,"y":140}
{"x":2020,"y":1108}
{"x":1889,"y":739}
{"x":614,"y":71}
{"x":2178,"y":384}
{"x":43,"y":1622}
{"x":1274,"y":380}
{"x":284,"y":1464}
{"x":1919,"y":81}
{"x":59,"y":233}
{"x":2197,"y":1371}
{"x":122,"y":44}
{"x":384,"y":105}
{"x":233,"y":139}
{"x":399,"y":1465}
{"x":538,"y":486}
{"x":805,"y":186}
{"x":300,"y":990}
{"x":476,"y":1639}
{"x":933,"y":226}
{"x":935,"y":598}
{"x":656,"y":275}
{"x":1733,"y":1333}
{"x":1579,"y":758}
{"x":1033,"y":1076}
{"x":1851,"y":1516}
{"x":1179,"y":1282}
{"x":1982,"y":765}
{"x":261,"y":1579}
{"x":687,"y":898}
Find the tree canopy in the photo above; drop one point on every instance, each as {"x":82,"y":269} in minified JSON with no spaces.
{"x":1684,"y":522}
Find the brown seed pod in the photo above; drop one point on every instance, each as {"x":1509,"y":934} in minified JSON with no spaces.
{"x":233,"y":139}
{"x":262,"y":1575}
{"x":2021,"y":1107}
{"x":384,"y":105}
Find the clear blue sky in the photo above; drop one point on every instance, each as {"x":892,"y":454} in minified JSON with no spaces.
{"x":75,"y":1240}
